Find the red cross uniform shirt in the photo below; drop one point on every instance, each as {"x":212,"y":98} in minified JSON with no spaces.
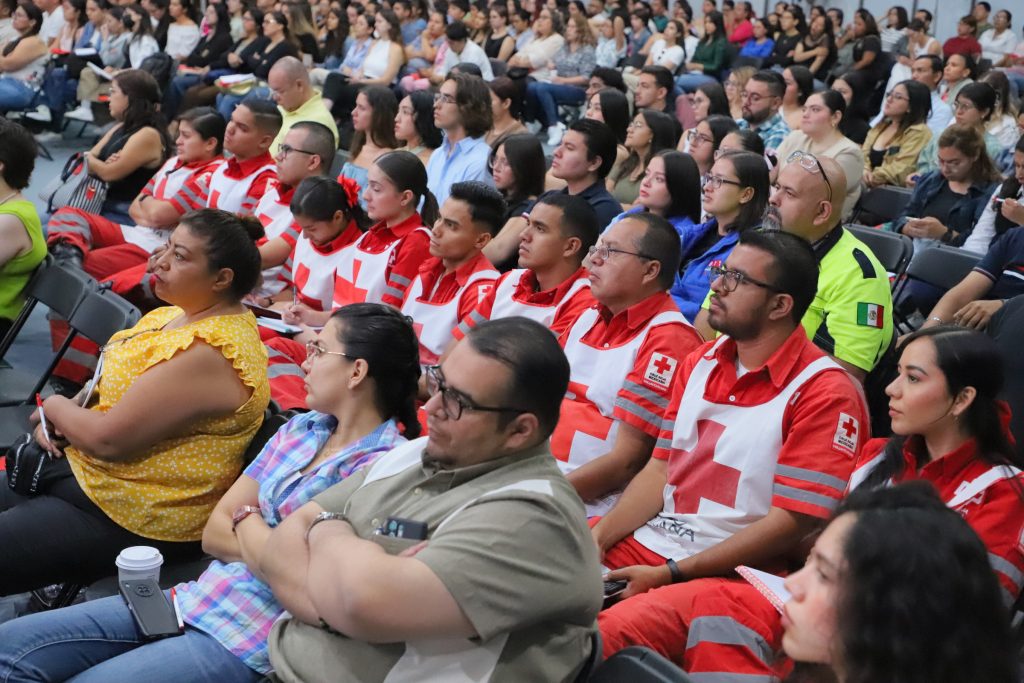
{"x":384,"y":263}
{"x":436,"y":301}
{"x":310,"y":268}
{"x":247,"y":179}
{"x":624,"y":368}
{"x":996,"y":514}
{"x":188,"y":193}
{"x":784,"y":435}
{"x":516,"y":293}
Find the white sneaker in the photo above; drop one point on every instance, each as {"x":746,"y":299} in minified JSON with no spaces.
{"x":555,"y":134}
{"x":82,"y":113}
{"x":48,"y":137}
{"x":534,"y":127}
{"x":40,"y":113}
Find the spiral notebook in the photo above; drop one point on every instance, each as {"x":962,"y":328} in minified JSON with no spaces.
{"x":769,"y":585}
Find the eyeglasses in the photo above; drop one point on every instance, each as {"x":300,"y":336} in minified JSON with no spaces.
{"x":753,"y":96}
{"x":693,"y":136}
{"x":963,"y":105}
{"x":731,"y":279}
{"x":715,"y":181}
{"x":444,"y":98}
{"x":315,"y":349}
{"x":810,"y":163}
{"x":604,"y":252}
{"x":893,"y":95}
{"x":636,"y":124}
{"x":454,"y":402}
{"x":284,"y":150}
{"x":497,"y":163}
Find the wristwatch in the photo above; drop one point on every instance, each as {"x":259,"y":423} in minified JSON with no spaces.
{"x":326,"y":517}
{"x":241,"y":513}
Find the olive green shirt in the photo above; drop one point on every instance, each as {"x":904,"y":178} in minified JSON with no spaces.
{"x":509,"y":540}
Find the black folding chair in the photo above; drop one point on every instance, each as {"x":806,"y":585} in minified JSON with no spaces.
{"x":60,"y":288}
{"x":881,"y":204}
{"x":892,"y":249}
{"x":97,"y":317}
{"x":638,"y":665}
{"x":942,"y":267}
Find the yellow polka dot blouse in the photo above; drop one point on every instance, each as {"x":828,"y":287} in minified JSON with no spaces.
{"x":168,"y":492}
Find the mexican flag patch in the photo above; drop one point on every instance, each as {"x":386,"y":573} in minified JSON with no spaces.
{"x":870,"y":315}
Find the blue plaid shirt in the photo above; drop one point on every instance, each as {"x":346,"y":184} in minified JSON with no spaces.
{"x":772,"y":132}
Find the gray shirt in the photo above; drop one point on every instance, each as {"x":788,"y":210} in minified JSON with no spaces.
{"x":509,"y":540}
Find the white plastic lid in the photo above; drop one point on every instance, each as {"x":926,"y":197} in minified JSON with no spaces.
{"x":139,"y":557}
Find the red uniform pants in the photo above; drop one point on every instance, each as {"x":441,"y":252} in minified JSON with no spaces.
{"x":715,"y":627}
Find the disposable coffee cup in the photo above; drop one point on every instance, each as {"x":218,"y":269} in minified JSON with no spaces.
{"x":139,"y":562}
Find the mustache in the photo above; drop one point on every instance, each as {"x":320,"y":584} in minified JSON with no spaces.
{"x":772,"y":219}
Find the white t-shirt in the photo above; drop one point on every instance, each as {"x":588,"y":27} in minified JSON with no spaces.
{"x":669,"y":57}
{"x":53,"y":22}
{"x":141,"y":48}
{"x":472,"y":53}
{"x":181,"y":40}
{"x":996,"y":47}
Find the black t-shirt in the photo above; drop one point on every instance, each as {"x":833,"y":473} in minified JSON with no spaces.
{"x":941,"y":204}
{"x":869,"y":44}
{"x":783,"y":46}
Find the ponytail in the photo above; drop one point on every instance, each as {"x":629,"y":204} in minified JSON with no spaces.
{"x":385,"y":339}
{"x":406,"y":172}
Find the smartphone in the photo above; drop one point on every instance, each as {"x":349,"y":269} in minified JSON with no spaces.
{"x":612,"y":592}
{"x":153,"y":613}
{"x":409,"y":529}
{"x":997,"y":202}
{"x":265,"y":312}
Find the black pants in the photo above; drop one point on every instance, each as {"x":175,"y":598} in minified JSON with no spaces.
{"x":61,"y":535}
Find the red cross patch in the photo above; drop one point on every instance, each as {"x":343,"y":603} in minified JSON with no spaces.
{"x":660,"y":370}
{"x":847,"y":434}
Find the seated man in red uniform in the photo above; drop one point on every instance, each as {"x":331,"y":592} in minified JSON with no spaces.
{"x":307,"y":150}
{"x":624,"y":353}
{"x":458,"y":276}
{"x":550,"y":285}
{"x":759,"y":444}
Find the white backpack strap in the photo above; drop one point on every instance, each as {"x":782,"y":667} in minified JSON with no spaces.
{"x":864,"y":471}
{"x":970,"y":489}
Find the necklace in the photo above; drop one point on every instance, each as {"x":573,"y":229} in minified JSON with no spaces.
{"x":9,"y":197}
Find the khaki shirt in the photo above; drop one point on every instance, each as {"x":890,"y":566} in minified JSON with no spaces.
{"x":509,"y":540}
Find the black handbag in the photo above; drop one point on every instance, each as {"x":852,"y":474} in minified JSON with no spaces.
{"x":28,"y":465}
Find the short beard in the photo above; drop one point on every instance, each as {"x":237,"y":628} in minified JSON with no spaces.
{"x":756,"y":119}
{"x":772,"y":219}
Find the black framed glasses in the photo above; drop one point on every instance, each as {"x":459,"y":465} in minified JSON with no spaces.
{"x":715,"y":181}
{"x":604,"y":252}
{"x":454,"y":401}
{"x":314,"y":349}
{"x":284,"y":150}
{"x":810,"y":163}
{"x":731,"y":279}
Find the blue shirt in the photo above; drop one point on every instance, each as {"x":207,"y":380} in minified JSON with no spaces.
{"x":689,"y":232}
{"x":693,"y":284}
{"x":466,"y":160}
{"x":411,"y":31}
{"x":762,"y":51}
{"x":772,"y":132}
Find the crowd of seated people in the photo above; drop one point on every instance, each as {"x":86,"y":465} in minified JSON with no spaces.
{"x":574,"y":286}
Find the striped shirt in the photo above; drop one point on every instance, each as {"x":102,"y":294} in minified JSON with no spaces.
{"x":228,"y":602}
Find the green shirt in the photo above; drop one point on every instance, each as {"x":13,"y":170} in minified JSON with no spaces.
{"x":851,"y":315}
{"x":14,"y":274}
{"x":509,"y":540}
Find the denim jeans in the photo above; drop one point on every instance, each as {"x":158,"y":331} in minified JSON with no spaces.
{"x":14,"y":94}
{"x":690,"y":82}
{"x":58,"y":91}
{"x":98,"y":642}
{"x":544,"y":98}
{"x":176,"y":93}
{"x":227,"y":102}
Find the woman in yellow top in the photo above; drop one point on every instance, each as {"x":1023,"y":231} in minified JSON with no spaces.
{"x":179,"y":397}
{"x":22,"y":245}
{"x":894,"y":143}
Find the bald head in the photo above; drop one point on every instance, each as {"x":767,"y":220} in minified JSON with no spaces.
{"x":801,"y":204}
{"x":289,"y":83}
